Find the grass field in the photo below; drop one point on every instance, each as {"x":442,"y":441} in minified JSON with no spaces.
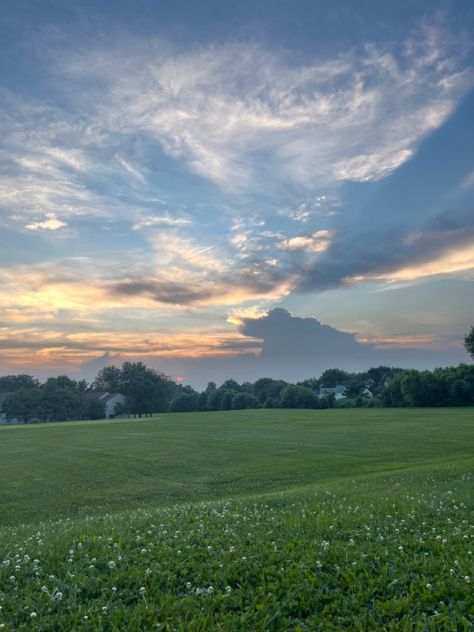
{"x":253,"y":520}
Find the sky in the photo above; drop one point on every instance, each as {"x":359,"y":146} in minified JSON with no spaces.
{"x":187,"y":183}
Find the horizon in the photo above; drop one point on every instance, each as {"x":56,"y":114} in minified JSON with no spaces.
{"x":235,"y":191}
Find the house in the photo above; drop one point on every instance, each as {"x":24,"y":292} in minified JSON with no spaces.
{"x":109,"y":400}
{"x":339,"y":391}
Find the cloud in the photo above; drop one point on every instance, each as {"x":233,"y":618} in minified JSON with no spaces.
{"x":305,"y":338}
{"x":317,"y":242}
{"x":160,"y":220}
{"x":239,"y":114}
{"x":443,"y":245}
{"x":51,"y":223}
{"x":131,"y":169}
{"x":164,"y":292}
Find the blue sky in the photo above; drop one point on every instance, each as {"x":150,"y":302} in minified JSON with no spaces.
{"x":170,"y":170}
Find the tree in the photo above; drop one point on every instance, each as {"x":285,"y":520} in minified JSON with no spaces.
{"x":332,"y":378}
{"x":268,"y":388}
{"x":355,"y":385}
{"x":11,"y":383}
{"x":63,"y":399}
{"x":231,"y":385}
{"x":243,"y":400}
{"x":271,"y":402}
{"x":145,"y":390}
{"x":378,"y":376}
{"x":185,"y":403}
{"x":294,"y":396}
{"x":95,"y":409}
{"x":469,"y":342}
{"x":108,"y":379}
{"x":24,"y":404}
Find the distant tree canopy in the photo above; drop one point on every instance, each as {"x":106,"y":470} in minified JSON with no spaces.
{"x":11,"y":383}
{"x":469,"y":342}
{"x":58,"y":399}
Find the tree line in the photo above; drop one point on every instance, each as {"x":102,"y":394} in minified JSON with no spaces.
{"x":147,"y":391}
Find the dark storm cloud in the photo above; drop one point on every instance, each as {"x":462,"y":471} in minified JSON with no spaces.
{"x":307,"y":339}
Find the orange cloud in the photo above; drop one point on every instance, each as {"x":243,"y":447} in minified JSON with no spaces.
{"x":460,"y":260}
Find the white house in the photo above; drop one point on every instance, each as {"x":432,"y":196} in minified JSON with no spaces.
{"x":339,"y":391}
{"x":110,"y":401}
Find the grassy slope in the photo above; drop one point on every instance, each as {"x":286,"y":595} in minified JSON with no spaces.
{"x":366,"y":523}
{"x":59,"y":470}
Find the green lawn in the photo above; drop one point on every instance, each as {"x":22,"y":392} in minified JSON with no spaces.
{"x":58,"y":470}
{"x":338,"y":520}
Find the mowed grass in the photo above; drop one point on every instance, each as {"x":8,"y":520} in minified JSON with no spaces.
{"x":58,"y":470}
{"x":257,"y":520}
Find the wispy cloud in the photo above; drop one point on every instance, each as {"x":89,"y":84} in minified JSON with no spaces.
{"x":355,"y":117}
{"x":160,"y":220}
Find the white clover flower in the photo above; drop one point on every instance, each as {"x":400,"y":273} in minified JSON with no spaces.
{"x":228,"y":589}
{"x":142,"y":590}
{"x":143,"y":551}
{"x":33,"y":615}
{"x":467,"y":579}
{"x":429,"y":586}
{"x":58,"y":596}
{"x":111,"y":564}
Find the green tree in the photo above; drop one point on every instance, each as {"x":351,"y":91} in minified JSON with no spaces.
{"x":63,"y":399}
{"x":355,"y":385}
{"x":25,"y":404}
{"x":145,"y":390}
{"x":231,"y":385}
{"x":95,"y":409}
{"x":108,"y":379}
{"x":333,"y":377}
{"x":294,"y":396}
{"x":469,"y":342}
{"x":244,"y":400}
{"x":185,"y":403}
{"x":11,"y":383}
{"x":266,"y":388}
